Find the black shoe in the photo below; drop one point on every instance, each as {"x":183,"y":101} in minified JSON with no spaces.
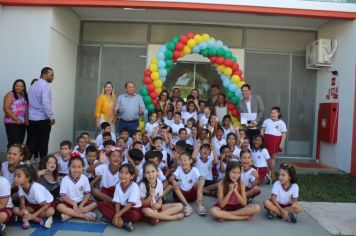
{"x":104,"y":220}
{"x":268,"y":179}
{"x":270,"y":215}
{"x":127,"y":226}
{"x":2,"y":229}
{"x":293,"y":217}
{"x":249,"y":200}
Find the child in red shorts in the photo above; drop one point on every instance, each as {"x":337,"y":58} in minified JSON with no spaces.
{"x":260,"y":158}
{"x":5,"y":203}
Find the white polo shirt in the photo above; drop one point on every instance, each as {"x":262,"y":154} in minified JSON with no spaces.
{"x":150,"y":127}
{"x":260,"y":158}
{"x":6,"y":173}
{"x":248,"y":177}
{"x":37,"y":194}
{"x":130,"y":194}
{"x":276,"y":128}
{"x":236,"y":153}
{"x":188,"y":179}
{"x":175,"y":129}
{"x":5,"y":191}
{"x":285,"y":196}
{"x":218,"y":143}
{"x":108,"y":178}
{"x":158,"y":191}
{"x":75,"y":189}
{"x":63,"y":167}
{"x":227,"y":131}
{"x":186,"y":115}
{"x":160,"y":176}
{"x":205,"y":168}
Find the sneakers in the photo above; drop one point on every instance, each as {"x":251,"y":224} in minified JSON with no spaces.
{"x":90,"y":216}
{"x":25,"y":224}
{"x":293,"y":217}
{"x":268,"y":179}
{"x":127,"y":226}
{"x":104,"y":220}
{"x":270,"y":215}
{"x":46,"y":222}
{"x":201,"y":210}
{"x":2,"y":229}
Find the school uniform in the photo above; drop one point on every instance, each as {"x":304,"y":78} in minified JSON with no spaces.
{"x":233,"y":204}
{"x":260,"y":158}
{"x":187,"y":115}
{"x":6,"y":173}
{"x":204,"y":120}
{"x":175,"y":130}
{"x":75,"y":189}
{"x":82,"y":153}
{"x":221,"y":175}
{"x":205,"y":167}
{"x":5,"y":192}
{"x":236,"y":153}
{"x":247,"y":177}
{"x":63,"y":168}
{"x":100,"y":140}
{"x":160,"y":176}
{"x":163,"y":165}
{"x":218,"y":143}
{"x":285,"y":196}
{"x":158,"y":193}
{"x":108,"y":179}
{"x":273,"y":134}
{"x":124,"y":196}
{"x":36,"y":196}
{"x":227,"y":131}
{"x":150,"y":127}
{"x":90,"y":176}
{"x":167,"y":121}
{"x":187,"y":183}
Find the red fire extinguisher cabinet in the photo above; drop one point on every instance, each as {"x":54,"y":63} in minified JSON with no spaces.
{"x":328,"y":117}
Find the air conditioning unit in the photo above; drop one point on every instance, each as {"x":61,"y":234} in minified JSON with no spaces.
{"x":319,"y":53}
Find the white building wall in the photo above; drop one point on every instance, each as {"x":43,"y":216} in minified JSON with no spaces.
{"x":339,"y":155}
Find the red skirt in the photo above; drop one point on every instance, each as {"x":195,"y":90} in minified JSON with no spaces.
{"x":228,"y":207}
{"x":8,"y":213}
{"x":108,"y":210}
{"x":36,"y":207}
{"x":272,"y":143}
{"x":190,"y":196}
{"x":262,"y":172}
{"x":108,"y":191}
{"x":71,"y":206}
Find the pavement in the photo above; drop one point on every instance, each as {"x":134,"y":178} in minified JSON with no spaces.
{"x":260,"y":225}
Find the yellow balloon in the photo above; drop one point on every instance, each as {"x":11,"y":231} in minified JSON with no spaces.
{"x":187,"y":50}
{"x":205,"y":37}
{"x":158,"y":83}
{"x":158,"y":90}
{"x":154,"y":60}
{"x":221,"y":68}
{"x":155,"y":75}
{"x":153,"y":67}
{"x":235,"y":79}
{"x":191,"y":43}
{"x":197,"y":38}
{"x":227,"y":71}
{"x":240,"y":83}
{"x":141,"y":125}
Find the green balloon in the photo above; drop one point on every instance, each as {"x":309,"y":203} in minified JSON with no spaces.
{"x":212,"y":51}
{"x":175,"y":39}
{"x":220,"y":52}
{"x":150,"y":107}
{"x":169,"y":63}
{"x":230,"y":94}
{"x":147,"y":99}
{"x":234,"y":59}
{"x":205,"y":52}
{"x":168,"y":54}
{"x":234,"y":100}
{"x":143,"y":91}
{"x":228,"y":54}
{"x":171,"y":46}
{"x":226,"y":90}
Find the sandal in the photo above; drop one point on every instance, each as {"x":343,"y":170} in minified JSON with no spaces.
{"x":187,"y":210}
{"x":201,"y":210}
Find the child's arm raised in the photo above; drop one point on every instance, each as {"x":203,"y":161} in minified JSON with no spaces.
{"x":215,"y":155}
{"x":196,"y":149}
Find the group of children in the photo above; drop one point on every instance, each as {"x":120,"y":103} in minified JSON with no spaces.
{"x":187,"y":154}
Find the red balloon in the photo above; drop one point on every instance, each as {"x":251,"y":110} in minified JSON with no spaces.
{"x":230,"y":107}
{"x":228,"y":101}
{"x":151,"y":87}
{"x":241,"y":78}
{"x":176,"y":54}
{"x":147,"y":80}
{"x":179,"y":46}
{"x":235,"y":66}
{"x":190,"y":35}
{"x":154,"y":102}
{"x":228,"y":62}
{"x":174,"y":60}
{"x":147,"y":72}
{"x":212,"y":59}
{"x":153,"y":95}
{"x":239,"y":73}
{"x":220,"y":60}
{"x":234,"y":113}
{"x":183,"y":39}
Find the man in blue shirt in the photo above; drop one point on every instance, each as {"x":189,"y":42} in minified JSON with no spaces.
{"x":41,"y":116}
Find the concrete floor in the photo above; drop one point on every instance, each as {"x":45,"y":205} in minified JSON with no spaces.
{"x":194,"y":224}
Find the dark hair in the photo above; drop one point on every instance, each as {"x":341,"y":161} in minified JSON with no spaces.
{"x":129,"y":82}
{"x":24,"y":151}
{"x":157,"y":138}
{"x":214,"y":86}
{"x":224,"y":96}
{"x":223,"y":147}
{"x":43,"y":165}
{"x":33,"y":81}
{"x":129,"y":167}
{"x":231,"y":134}
{"x":135,"y":132}
{"x":182,"y":145}
{"x":202,"y":101}
{"x":170,"y":111}
{"x":29,"y":171}
{"x":277,"y":109}
{"x":226,"y":117}
{"x":80,"y":137}
{"x":220,"y":128}
{"x":229,"y":167}
{"x":77,"y":158}
{"x":104,"y":125}
{"x":191,"y":102}
{"x":151,"y":113}
{"x":152,"y":154}
{"x":144,"y":180}
{"x":106,"y":134}
{"x":163,"y":91}
{"x":84,"y":133}
{"x":262,"y":144}
{"x":290,"y":170}
{"x":66,"y":143}
{"x":136,"y":142}
{"x":205,"y":146}
{"x":243,"y":151}
{"x":124,"y":130}
{"x":91,"y":148}
{"x":186,"y":154}
{"x":24,"y":89}
{"x":109,"y":142}
{"x":121,"y":138}
{"x":111,"y":86}
{"x":178,"y":113}
{"x":246,"y":86}
{"x":181,"y":130}
{"x":190,"y":97}
{"x":136,"y":154}
{"x":45,"y":70}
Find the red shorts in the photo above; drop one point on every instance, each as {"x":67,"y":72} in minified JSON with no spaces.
{"x":108,"y":210}
{"x":108,"y":191}
{"x":283,"y":205}
{"x":272,"y":143}
{"x":190,"y":196}
{"x":36,"y":207}
{"x":262,"y":172}
{"x":71,"y":206}
{"x":230,"y":207}
{"x":8,"y":212}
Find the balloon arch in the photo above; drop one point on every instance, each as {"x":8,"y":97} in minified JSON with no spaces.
{"x":193,"y":43}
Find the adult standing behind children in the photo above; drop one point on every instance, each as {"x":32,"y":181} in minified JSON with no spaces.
{"x":129,"y":107}
{"x":251,"y":104}
{"x":41,"y":116}
{"x":104,"y":107}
